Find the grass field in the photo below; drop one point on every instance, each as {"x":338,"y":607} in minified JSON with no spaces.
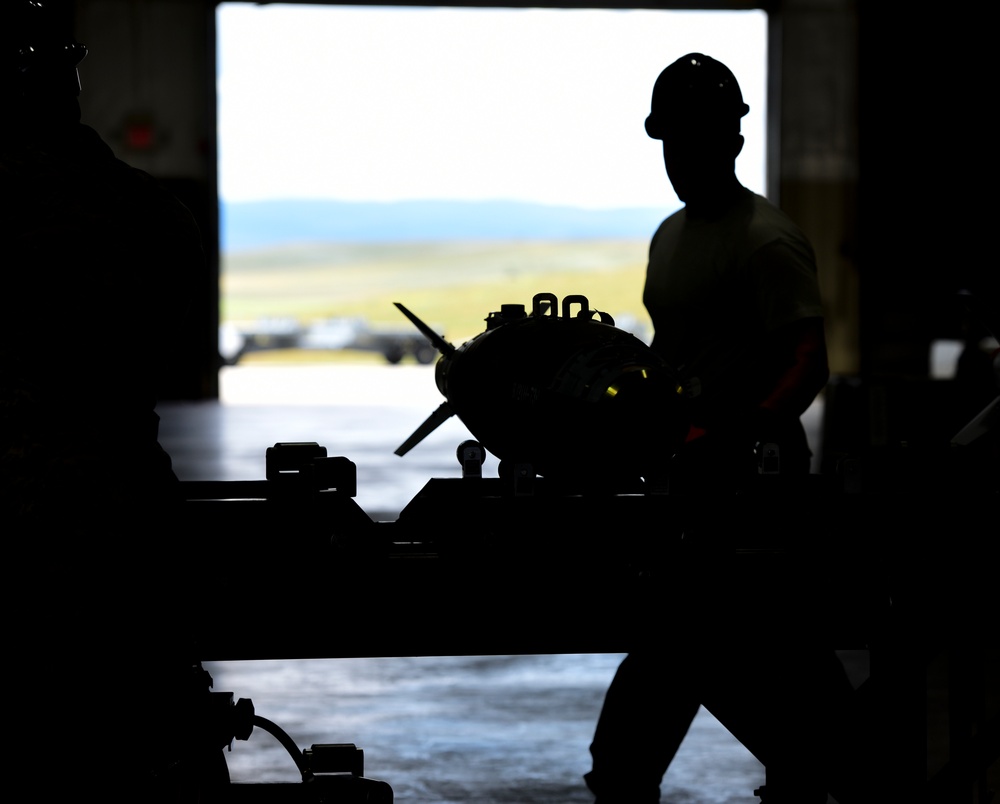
{"x":451,"y":285}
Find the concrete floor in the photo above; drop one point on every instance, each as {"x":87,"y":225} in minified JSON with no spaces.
{"x":466,"y":730}
{"x":439,"y":730}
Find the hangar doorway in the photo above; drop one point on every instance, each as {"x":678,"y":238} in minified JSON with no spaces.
{"x":452,"y":159}
{"x":449,"y":158}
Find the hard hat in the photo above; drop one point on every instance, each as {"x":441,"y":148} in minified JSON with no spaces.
{"x":696,"y":89}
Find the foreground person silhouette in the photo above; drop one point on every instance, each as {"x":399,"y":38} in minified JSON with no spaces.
{"x":732,"y":292}
{"x":98,"y":268}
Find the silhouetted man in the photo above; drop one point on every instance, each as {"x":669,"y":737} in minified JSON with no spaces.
{"x":732,"y":291}
{"x":731,"y":286}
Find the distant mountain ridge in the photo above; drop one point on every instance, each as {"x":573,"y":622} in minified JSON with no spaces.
{"x":259,"y":224}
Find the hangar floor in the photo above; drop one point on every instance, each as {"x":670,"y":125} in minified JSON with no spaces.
{"x":439,"y":730}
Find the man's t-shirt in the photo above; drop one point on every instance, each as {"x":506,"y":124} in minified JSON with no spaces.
{"x":715,"y":288}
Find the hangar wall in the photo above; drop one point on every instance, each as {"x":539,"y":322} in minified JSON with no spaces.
{"x":148,"y":88}
{"x":816,"y":139}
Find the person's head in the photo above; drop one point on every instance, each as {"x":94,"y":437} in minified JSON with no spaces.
{"x":38,"y":59}
{"x":696,"y":110}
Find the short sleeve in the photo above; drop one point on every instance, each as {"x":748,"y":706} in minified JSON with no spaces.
{"x":786,"y":285}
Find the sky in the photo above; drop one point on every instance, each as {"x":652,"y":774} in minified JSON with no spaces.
{"x":538,"y":105}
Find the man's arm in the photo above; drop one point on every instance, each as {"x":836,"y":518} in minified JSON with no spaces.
{"x":803,"y":343}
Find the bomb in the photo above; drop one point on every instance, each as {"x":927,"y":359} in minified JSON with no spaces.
{"x":559,"y":389}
